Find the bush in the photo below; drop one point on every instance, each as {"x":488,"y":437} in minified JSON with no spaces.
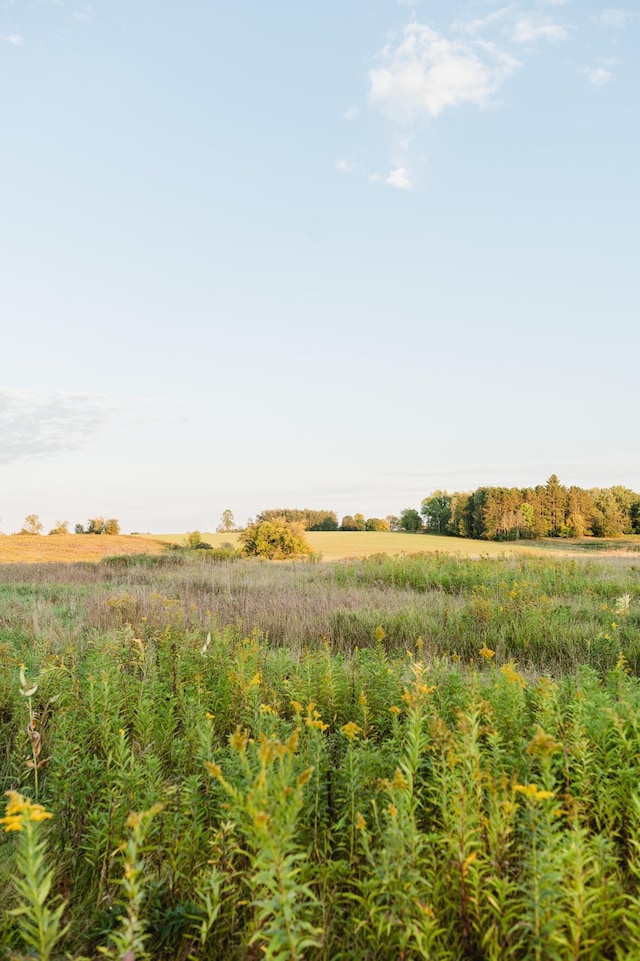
{"x":274,"y":540}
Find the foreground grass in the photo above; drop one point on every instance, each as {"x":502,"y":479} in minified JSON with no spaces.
{"x":426,"y":757}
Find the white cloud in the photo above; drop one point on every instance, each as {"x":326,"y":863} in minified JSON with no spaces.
{"x":597,"y":76}
{"x":346,"y":166}
{"x":399,"y":178}
{"x":15,"y":39}
{"x":36,"y":425}
{"x":527,"y":30}
{"x":478,"y":24}
{"x":426,"y":72}
{"x":618,"y":18}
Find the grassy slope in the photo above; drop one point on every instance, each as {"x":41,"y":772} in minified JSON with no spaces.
{"x":334,"y":545}
{"x":37,"y":549}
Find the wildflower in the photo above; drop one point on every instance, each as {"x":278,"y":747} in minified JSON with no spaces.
{"x":297,"y":707}
{"x":486,"y":652}
{"x":621,"y":663}
{"x":622,"y":605}
{"x":304,"y":776}
{"x":393,"y":811}
{"x":395,"y":710}
{"x":214,"y":769}
{"x":379,"y":634}
{"x":542,"y":745}
{"x":361,"y":824}
{"x":351,"y":730}
{"x":239,"y":740}
{"x":533,"y":792}
{"x":20,"y":810}
{"x":399,"y":780}
{"x":613,"y":625}
{"x":512,"y":675}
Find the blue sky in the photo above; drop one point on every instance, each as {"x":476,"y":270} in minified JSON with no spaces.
{"x":316,"y":255}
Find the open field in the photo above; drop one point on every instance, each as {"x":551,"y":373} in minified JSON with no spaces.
{"x":414,"y":757}
{"x":328,"y":546}
{"x":38,"y":549}
{"x":337,"y":545}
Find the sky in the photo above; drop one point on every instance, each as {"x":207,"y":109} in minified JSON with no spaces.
{"x":296,"y":254}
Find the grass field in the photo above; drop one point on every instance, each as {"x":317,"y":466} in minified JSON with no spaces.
{"x":396,"y":758}
{"x":37,"y":549}
{"x":328,"y":546}
{"x":336,"y":545}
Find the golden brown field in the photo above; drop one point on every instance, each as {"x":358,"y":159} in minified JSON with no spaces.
{"x":48,"y":549}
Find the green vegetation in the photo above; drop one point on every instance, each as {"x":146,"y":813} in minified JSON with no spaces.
{"x":99,"y":525}
{"x":413,"y":757}
{"x":552,"y":510}
{"x":274,"y":540}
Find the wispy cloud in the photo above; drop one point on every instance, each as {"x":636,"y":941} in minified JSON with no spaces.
{"x":597,"y":76}
{"x":426,"y":72}
{"x":399,"y":178}
{"x":15,"y":39}
{"x":36,"y":425}
{"x":618,"y":18}
{"x":528,"y":30}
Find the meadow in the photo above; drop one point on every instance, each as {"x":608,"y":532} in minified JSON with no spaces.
{"x":420,"y":756}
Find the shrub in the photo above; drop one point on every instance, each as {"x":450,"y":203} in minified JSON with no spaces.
{"x":274,"y":540}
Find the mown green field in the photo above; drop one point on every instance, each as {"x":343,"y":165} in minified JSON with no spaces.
{"x":338,"y":545}
{"x":411,"y":757}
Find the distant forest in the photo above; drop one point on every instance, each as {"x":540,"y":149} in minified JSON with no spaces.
{"x":495,"y":513}
{"x":552,"y":510}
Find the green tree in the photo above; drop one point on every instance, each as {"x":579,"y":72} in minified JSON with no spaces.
{"x":410,"y":520}
{"x":377,"y":524}
{"x":32,"y":525}
{"x":274,"y":540}
{"x":360,"y":522}
{"x":436,"y":511}
{"x":227,"y":522}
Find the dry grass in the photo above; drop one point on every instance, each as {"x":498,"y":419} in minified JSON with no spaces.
{"x":36,"y":549}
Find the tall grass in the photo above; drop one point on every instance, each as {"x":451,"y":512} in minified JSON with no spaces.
{"x":404,"y":759}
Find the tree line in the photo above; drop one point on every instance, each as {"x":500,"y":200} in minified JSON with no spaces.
{"x":549,"y":510}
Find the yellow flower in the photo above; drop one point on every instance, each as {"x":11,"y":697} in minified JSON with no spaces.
{"x":486,"y":652}
{"x":214,"y":769}
{"x":351,"y":730}
{"x":304,"y":776}
{"x":297,"y":707}
{"x":512,"y":675}
{"x":379,"y":634}
{"x":533,"y":792}
{"x":19,"y":810}
{"x":395,"y":710}
{"x":361,"y":824}
{"x":613,"y":625}
{"x":543,"y":745}
{"x":239,"y":740}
